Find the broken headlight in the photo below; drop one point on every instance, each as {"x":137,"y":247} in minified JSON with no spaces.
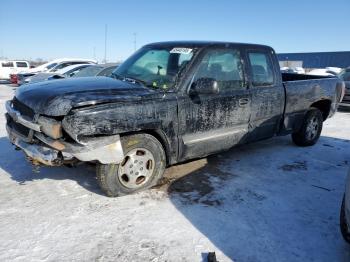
{"x":50,"y":127}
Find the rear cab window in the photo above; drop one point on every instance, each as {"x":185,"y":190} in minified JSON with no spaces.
{"x":261,"y":68}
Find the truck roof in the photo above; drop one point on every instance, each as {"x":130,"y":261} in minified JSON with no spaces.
{"x":206,"y":44}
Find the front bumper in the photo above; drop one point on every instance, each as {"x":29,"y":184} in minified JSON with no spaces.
{"x":18,"y":118}
{"x":53,"y":152}
{"x":37,"y":153}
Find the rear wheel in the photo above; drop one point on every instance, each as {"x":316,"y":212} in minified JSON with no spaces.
{"x":310,"y":130}
{"x":141,"y":168}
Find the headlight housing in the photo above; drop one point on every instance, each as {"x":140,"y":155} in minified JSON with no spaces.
{"x":50,"y":127}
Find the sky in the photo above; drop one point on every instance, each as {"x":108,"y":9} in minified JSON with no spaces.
{"x":76,"y":28}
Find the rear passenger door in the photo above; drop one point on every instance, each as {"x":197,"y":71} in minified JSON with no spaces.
{"x":212,"y":122}
{"x":267,"y":94}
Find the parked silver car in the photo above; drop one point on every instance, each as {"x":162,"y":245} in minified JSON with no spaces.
{"x":97,"y":70}
{"x":345,"y":212}
{"x":65,"y":72}
{"x":52,"y":66}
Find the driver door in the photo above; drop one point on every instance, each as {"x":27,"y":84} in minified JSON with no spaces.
{"x":211,"y":122}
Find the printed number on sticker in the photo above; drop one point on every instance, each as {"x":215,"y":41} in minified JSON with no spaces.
{"x":181,"y":50}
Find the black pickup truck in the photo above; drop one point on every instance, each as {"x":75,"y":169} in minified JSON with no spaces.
{"x":169,"y":102}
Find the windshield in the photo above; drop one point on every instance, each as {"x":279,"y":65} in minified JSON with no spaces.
{"x":51,"y":65}
{"x":345,"y":74}
{"x":107,"y":71}
{"x":154,"y":67}
{"x":89,"y":71}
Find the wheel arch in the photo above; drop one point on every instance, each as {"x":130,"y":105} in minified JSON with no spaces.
{"x":324,"y":106}
{"x":161,"y":137}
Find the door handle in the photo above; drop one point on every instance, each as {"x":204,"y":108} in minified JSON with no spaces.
{"x":243,"y":101}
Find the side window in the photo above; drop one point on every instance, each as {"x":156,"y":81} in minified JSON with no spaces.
{"x":184,"y":59}
{"x":262,"y":69}
{"x":21,"y":64}
{"x":60,"y":66}
{"x":225,"y":66}
{"x":7,"y":64}
{"x":71,"y":73}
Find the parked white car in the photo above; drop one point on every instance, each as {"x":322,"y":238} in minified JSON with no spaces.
{"x":57,"y":64}
{"x":12,"y":67}
{"x":52,"y":66}
{"x":328,"y":71}
{"x":294,"y":70}
{"x":65,"y":72}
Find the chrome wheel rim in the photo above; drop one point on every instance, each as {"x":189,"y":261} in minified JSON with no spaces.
{"x":312,"y":128}
{"x":136,"y":168}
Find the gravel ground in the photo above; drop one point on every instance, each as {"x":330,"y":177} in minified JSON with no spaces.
{"x":269,"y":201}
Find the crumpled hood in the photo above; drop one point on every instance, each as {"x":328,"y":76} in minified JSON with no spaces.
{"x":58,"y":97}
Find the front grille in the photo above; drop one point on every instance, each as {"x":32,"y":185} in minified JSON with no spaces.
{"x":22,"y":130}
{"x":22,"y":108}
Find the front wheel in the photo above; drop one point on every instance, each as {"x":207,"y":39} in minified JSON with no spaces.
{"x":310,"y":130}
{"x":142,"y":167}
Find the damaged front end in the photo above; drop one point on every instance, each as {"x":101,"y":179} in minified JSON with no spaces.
{"x":44,"y":140}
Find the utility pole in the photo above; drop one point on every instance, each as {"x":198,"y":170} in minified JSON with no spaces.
{"x":135,"y":41}
{"x":105,"y":43}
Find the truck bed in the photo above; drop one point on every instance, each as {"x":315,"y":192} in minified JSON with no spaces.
{"x":287,"y":77}
{"x":302,"y":91}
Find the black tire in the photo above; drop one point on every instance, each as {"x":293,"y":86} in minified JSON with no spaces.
{"x":114,"y":184}
{"x":344,"y":229}
{"x":304,"y":137}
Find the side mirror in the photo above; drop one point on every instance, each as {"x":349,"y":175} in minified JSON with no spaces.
{"x":55,"y":77}
{"x":204,"y":86}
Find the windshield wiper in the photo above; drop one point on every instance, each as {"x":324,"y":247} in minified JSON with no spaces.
{"x":135,"y":81}
{"x":129,"y":79}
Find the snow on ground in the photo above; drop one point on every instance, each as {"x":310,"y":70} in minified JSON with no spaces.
{"x":269,"y":201}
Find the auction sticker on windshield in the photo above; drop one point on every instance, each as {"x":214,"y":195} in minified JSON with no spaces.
{"x":181,"y":50}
